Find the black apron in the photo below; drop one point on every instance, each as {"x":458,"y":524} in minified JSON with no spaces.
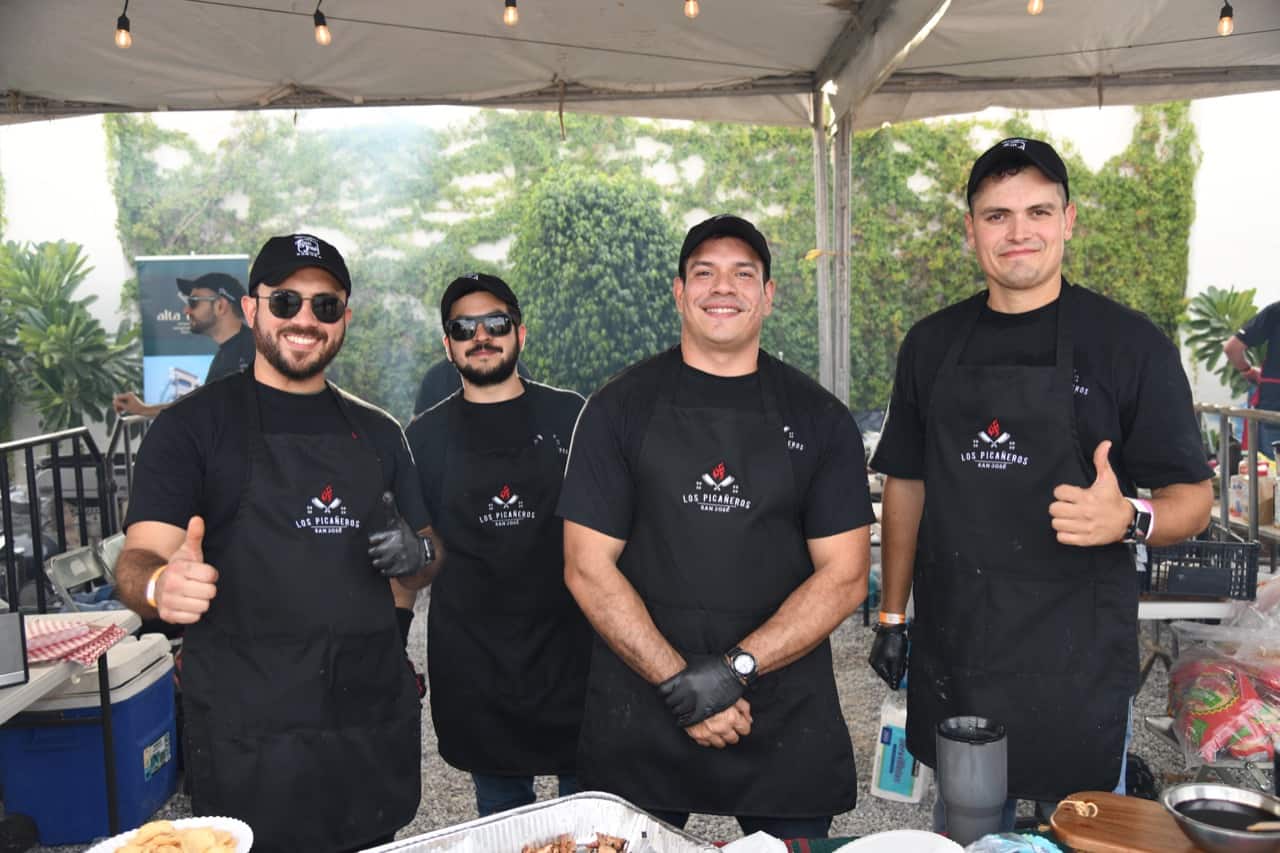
{"x":716,"y":546}
{"x":507,"y":644}
{"x":301,"y":718}
{"x":1009,"y":623}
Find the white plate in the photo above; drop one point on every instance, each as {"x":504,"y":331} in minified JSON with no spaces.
{"x":902,"y":841}
{"x":238,"y":828}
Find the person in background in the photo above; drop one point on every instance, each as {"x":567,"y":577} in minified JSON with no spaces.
{"x":1264,"y":328}
{"x":716,"y":532}
{"x":507,"y":645}
{"x":268,"y":511}
{"x":213,"y":309}
{"x":1022,"y":422}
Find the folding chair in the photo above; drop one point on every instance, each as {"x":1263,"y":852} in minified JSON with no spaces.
{"x":73,"y":568}
{"x":108,"y":552}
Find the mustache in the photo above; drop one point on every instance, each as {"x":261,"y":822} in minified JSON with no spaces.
{"x":483,"y":348}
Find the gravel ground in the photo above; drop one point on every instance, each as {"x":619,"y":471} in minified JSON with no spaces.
{"x":448,"y":797}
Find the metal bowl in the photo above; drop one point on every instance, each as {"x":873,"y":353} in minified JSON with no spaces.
{"x":1217,"y":839}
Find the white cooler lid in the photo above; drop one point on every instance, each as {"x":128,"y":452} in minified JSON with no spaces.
{"x":125,"y":660}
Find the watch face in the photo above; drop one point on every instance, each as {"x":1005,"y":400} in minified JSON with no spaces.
{"x":744,"y":664}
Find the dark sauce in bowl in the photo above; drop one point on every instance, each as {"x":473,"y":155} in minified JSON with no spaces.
{"x":1224,"y":813}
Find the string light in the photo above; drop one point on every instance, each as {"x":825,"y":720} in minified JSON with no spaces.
{"x":323,"y":37}
{"x":1226,"y":20}
{"x":691,"y":8}
{"x":510,"y":14}
{"x":124,"y":38}
{"x":1035,"y":7}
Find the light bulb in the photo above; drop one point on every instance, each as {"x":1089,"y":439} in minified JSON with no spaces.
{"x":323,"y":37}
{"x":691,"y":8}
{"x":124,"y":39}
{"x":1035,"y":7}
{"x":1226,"y":20}
{"x":510,"y":14}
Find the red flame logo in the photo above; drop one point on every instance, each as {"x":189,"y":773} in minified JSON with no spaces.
{"x":717,"y":473}
{"x":327,"y":494}
{"x":505,"y":493}
{"x":993,"y":429}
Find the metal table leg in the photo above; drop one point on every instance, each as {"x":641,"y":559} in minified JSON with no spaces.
{"x":108,"y":744}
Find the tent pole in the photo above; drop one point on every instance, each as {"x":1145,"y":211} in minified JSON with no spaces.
{"x":822,"y":227}
{"x":843,"y":227}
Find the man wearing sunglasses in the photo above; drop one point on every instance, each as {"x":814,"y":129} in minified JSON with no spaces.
{"x":507,"y":645}
{"x":264,"y":518}
{"x":212,"y":305}
{"x":716,"y":531}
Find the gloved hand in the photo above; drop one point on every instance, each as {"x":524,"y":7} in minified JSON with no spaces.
{"x":889,"y":653}
{"x":702,"y":689}
{"x":397,"y":549}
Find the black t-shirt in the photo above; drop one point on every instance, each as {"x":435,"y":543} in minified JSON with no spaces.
{"x":1264,"y":328}
{"x":1129,"y":385}
{"x":441,"y":380}
{"x":822,"y":440}
{"x":193,"y":459}
{"x":234,"y":355}
{"x":541,"y":413}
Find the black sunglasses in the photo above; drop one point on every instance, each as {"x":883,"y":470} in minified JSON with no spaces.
{"x":464,"y":328}
{"x":284,"y":304}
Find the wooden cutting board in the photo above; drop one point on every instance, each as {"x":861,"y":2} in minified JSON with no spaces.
{"x":1122,"y":825}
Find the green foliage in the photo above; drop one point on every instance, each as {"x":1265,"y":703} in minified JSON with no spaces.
{"x":56,"y":355}
{"x":593,"y":271}
{"x":1213,"y":317}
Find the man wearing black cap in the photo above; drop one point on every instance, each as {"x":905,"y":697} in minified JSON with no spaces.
{"x":507,"y":646}
{"x":264,"y":518}
{"x":716,"y":532}
{"x":1023,"y":421}
{"x":212,"y":308}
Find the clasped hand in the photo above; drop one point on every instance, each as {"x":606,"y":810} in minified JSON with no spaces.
{"x":706,"y":699}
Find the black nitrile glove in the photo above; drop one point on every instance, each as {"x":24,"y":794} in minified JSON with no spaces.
{"x":397,"y":549}
{"x":889,"y":653}
{"x":702,"y":689}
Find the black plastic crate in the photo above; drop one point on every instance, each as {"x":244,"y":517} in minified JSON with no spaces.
{"x":1199,"y":567}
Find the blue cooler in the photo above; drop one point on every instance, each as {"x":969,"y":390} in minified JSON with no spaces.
{"x":55,"y":775}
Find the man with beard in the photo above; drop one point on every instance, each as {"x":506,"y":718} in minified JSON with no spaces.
{"x":212,"y":308}
{"x":507,"y":646}
{"x":263,"y":518}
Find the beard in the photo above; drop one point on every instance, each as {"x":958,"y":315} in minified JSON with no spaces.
{"x":269,"y":348}
{"x":494,"y":375}
{"x":199,"y":327}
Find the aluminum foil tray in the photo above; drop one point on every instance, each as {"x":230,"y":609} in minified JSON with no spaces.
{"x":579,"y":815}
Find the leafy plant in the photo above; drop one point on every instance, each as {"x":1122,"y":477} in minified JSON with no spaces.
{"x":1213,"y":317}
{"x":56,"y":354}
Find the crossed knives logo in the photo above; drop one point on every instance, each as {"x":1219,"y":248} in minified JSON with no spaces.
{"x":505,"y":498}
{"x":326,"y":502}
{"x":717,"y":490}
{"x":994,"y":435}
{"x":994,"y":448}
{"x":719,"y":478}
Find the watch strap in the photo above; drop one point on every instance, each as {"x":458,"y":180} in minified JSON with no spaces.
{"x":1135,"y":534}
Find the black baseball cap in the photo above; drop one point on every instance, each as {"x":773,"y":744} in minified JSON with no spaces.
{"x":725,"y":225}
{"x":1018,"y":151}
{"x":473,"y":282}
{"x":226,"y":286}
{"x":281,"y":257}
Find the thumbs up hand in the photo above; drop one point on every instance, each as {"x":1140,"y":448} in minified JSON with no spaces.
{"x":397,"y":550}
{"x":187,"y":584}
{"x":1098,"y":515}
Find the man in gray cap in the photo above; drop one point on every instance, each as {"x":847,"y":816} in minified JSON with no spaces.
{"x":1022,"y":423}
{"x":213,"y":309}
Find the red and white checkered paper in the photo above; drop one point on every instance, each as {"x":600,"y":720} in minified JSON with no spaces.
{"x":61,"y":639}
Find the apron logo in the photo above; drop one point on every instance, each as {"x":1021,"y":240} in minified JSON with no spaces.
{"x":506,"y":509}
{"x":326,"y":514}
{"x":1078,"y":386}
{"x":792,"y":442}
{"x":995,"y":449}
{"x":716,"y":491}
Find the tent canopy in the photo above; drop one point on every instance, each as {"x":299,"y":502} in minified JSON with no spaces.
{"x":754,"y":61}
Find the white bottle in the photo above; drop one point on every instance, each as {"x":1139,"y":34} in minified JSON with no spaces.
{"x":896,"y":775}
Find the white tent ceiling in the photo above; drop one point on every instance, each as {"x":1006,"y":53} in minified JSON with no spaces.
{"x":741,"y":60}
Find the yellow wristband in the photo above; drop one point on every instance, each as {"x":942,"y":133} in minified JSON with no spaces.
{"x":151,"y":585}
{"x":892,"y":618}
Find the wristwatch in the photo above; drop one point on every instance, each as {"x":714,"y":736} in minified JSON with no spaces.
{"x":428,"y":550}
{"x":1143,"y":522}
{"x":743,"y":664}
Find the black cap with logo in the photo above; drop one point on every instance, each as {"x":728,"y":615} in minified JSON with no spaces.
{"x":1018,"y":151}
{"x":226,"y":286}
{"x":725,"y":225}
{"x":474,"y":282}
{"x":281,"y":257}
